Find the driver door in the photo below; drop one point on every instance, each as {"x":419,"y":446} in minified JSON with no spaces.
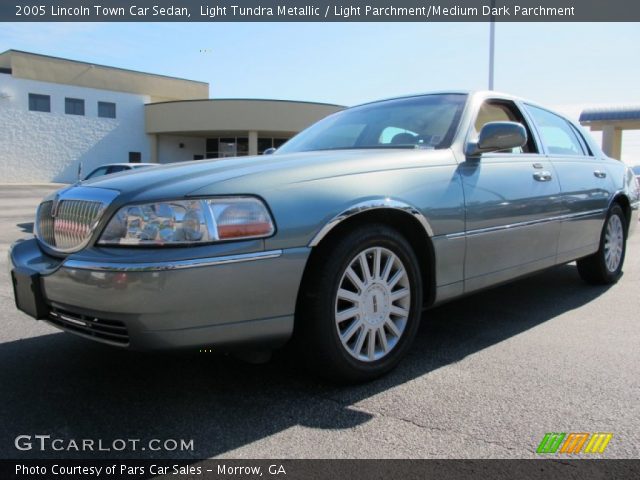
{"x":512,"y":199}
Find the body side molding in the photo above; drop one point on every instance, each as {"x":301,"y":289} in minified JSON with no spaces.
{"x":170,"y":265}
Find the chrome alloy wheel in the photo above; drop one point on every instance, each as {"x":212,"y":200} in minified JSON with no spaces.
{"x":372,"y":304}
{"x":613,"y":243}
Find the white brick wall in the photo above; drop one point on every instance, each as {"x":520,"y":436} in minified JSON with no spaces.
{"x":47,"y":147}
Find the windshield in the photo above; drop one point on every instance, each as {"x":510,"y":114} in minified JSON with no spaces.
{"x":427,"y":121}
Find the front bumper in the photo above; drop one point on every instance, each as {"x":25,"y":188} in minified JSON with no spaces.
{"x":220,"y":302}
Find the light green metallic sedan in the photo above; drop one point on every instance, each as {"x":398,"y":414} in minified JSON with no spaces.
{"x":339,"y":240}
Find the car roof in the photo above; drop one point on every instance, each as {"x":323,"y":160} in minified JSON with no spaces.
{"x":124,"y":164}
{"x":476,"y":94}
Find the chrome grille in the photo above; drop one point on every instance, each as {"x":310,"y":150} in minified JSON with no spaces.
{"x":72,"y":225}
{"x":44,"y":228}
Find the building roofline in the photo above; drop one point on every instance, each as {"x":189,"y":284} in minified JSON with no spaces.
{"x":248,"y":99}
{"x":12,"y":50}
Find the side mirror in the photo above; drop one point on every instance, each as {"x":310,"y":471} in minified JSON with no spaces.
{"x":496,"y":136}
{"x":269,"y":151}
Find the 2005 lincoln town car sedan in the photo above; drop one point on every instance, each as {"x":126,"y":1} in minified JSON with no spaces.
{"x":337,"y":240}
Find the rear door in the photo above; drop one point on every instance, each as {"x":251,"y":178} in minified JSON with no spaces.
{"x":584,"y":182}
{"x":512,"y":200}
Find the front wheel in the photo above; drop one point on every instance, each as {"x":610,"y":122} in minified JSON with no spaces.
{"x":362,"y":304}
{"x":605,"y":266}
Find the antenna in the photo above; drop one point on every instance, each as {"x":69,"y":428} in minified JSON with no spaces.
{"x":492,"y":44}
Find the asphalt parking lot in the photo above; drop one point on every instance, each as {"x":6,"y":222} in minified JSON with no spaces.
{"x":487,"y":377}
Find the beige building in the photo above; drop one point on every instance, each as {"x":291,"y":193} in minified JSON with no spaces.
{"x":58,"y":114}
{"x":217,"y":128}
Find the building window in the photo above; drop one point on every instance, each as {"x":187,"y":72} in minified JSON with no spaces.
{"x":106,"y":110}
{"x":198,"y":157}
{"x":74,"y":106}
{"x":212,"y":145}
{"x":39,"y":103}
{"x":239,"y":146}
{"x":263,"y":144}
{"x":227,"y":147}
{"x":135,"y":157}
{"x":242,"y":146}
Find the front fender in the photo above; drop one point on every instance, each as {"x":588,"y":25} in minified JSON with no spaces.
{"x":305,"y":212}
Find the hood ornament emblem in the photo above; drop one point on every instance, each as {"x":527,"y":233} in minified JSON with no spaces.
{"x":54,"y":206}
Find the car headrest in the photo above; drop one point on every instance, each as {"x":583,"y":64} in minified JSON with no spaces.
{"x":403,"y":139}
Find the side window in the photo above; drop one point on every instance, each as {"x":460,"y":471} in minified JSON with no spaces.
{"x":558,"y":136}
{"x":97,"y":173}
{"x":116,"y":169}
{"x":504,"y":111}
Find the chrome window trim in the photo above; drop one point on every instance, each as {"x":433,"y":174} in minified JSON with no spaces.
{"x":169,"y":265}
{"x":528,"y":124}
{"x":376,"y":204}
{"x":559,"y":218}
{"x":533,"y":126}
{"x":585,"y":146}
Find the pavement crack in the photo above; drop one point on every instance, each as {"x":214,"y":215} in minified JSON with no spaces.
{"x":509,"y":447}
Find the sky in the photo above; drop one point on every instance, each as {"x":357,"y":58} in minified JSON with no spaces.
{"x":567,"y":66}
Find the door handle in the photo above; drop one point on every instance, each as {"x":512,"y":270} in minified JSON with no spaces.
{"x":600,"y":174}
{"x":542,"y":176}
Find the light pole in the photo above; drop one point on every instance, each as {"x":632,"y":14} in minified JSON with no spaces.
{"x":492,"y":44}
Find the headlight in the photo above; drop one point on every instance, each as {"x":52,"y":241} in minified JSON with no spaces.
{"x":187,"y":222}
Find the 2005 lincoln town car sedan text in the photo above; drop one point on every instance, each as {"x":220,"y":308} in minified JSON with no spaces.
{"x":337,"y":240}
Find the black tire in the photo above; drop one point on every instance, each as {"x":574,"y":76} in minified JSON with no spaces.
{"x":594,"y":269}
{"x":317,"y":329}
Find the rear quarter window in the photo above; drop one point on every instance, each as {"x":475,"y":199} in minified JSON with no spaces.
{"x":557,"y":134}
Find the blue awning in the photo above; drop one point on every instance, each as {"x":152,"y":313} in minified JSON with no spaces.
{"x":611,"y":114}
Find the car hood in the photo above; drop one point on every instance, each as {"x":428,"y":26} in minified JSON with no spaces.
{"x":255,"y":174}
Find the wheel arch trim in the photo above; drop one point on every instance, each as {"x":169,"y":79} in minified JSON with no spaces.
{"x":615,"y":197}
{"x":366,"y":206}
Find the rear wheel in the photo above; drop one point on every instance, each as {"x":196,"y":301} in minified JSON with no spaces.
{"x":362,"y":305}
{"x":605,"y":266}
